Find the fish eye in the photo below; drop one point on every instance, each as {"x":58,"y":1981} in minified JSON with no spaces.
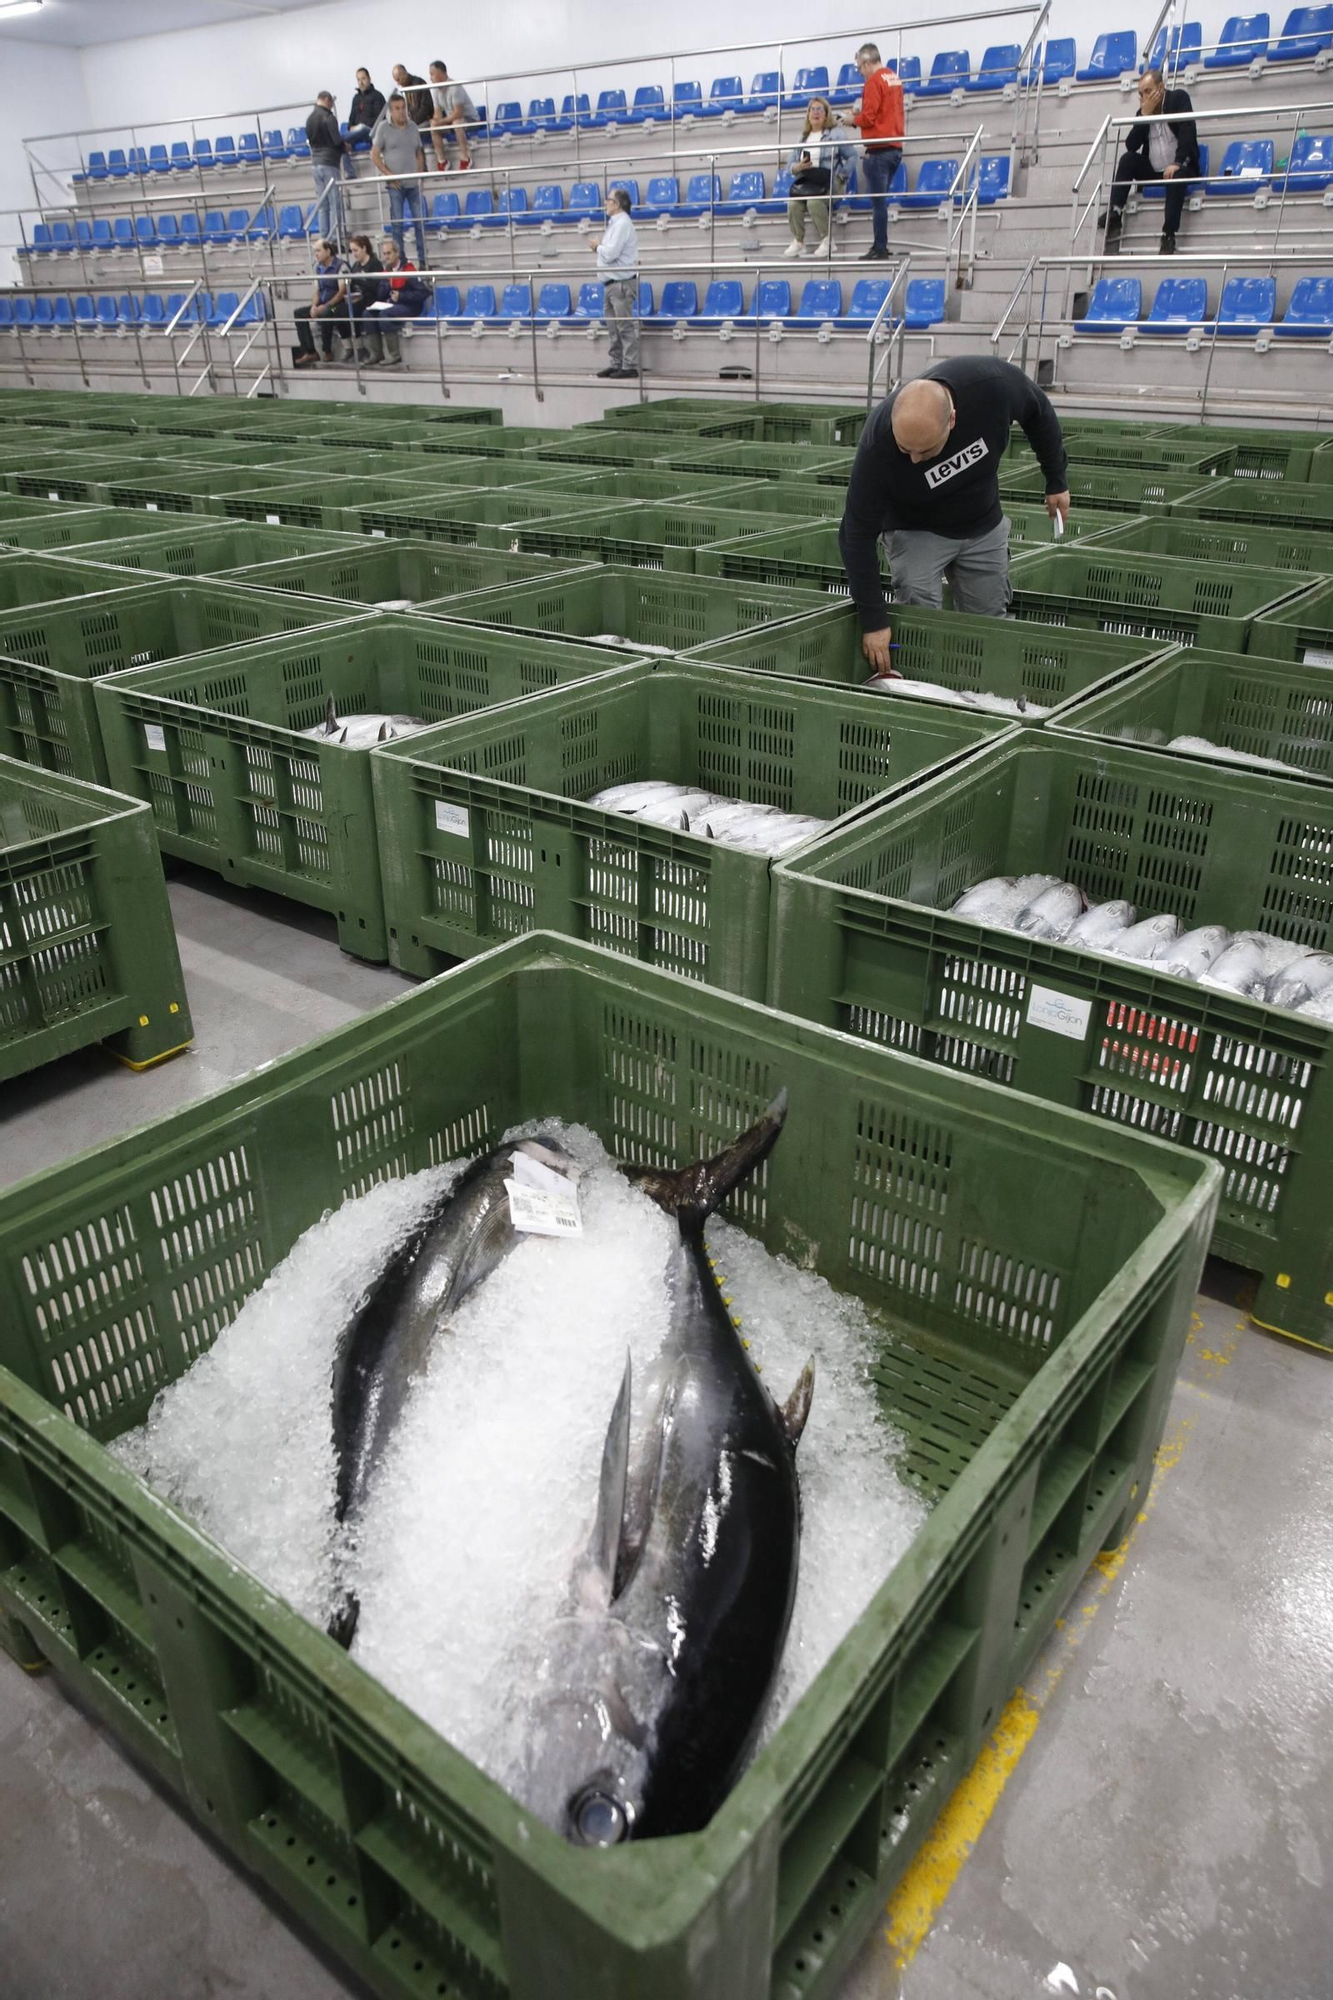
{"x":598,"y":1820}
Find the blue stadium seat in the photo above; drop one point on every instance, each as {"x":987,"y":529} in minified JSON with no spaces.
{"x":949,"y":71}
{"x":1305,"y":31}
{"x":809,"y":83}
{"x":848,"y":87}
{"x":772,"y":299}
{"x":477,"y":205}
{"x":688,"y":102}
{"x":724,"y":299}
{"x":447,"y":302}
{"x":649,"y":105}
{"x":298,"y":146}
{"x":1115,"y":304}
{"x":553,"y":303}
{"x":588,"y":306}
{"x":251,"y":313}
{"x":43,"y":312}
{"x":513,"y":202}
{"x":1180,"y":304}
{"x":83,"y":232}
{"x":1112,"y":55}
{"x":999,"y":66}
{"x":725,"y":95}
{"x":776,"y":203}
{"x":1247,"y":303}
{"x":573,"y":110}
{"x":122,"y":231}
{"x":138,"y":161}
{"x":224,"y":150}
{"x":1054,"y":62}
{"x":168,"y":233}
{"x":611,"y":109}
{"x":480,"y":302}
{"x":908,"y":73}
{"x":154,"y":312}
{"x":145,"y":232}
{"x":1244,"y":37}
{"x":585,"y":198}
{"x":746,"y":191}
{"x":203,"y":154}
{"x":117,"y":165}
{"x":85,"y":311}
{"x":442,"y":212}
{"x":224,"y":305}
{"x":923,"y":304}
{"x":62,"y":239}
{"x":508,"y":122}
{"x":108,"y":312}
{"x":103,"y":240}
{"x":541,"y":114}
{"x":868,"y":295}
{"x":22,"y":313}
{"x":1310,"y":314}
{"x":192,"y":236}
{"x":217,"y":230}
{"x":182,"y":159}
{"x":1156,"y":190}
{"x":159,"y":160}
{"x":64,"y":315}
{"x":1310,"y":168}
{"x":263,"y":226}
{"x":98,"y":169}
{"x":663,"y":196}
{"x":645,"y":299}
{"x":680,"y":299}
{"x":248,"y":150}
{"x":548,"y":204}
{"x":821,"y":299}
{"x":41,"y":243}
{"x":766,"y":88}
{"x":631,"y":188}
{"x":291,"y":223}
{"x":275,"y":146}
{"x":1246,"y":165}
{"x":238,"y":221}
{"x":1184,"y":45}
{"x":991,"y":180}
{"x":6,"y":313}
{"x":932,"y":184}
{"x":703,"y":192}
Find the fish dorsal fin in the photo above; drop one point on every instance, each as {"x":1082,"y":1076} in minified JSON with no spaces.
{"x":385,"y":735}
{"x":684,"y":822}
{"x":343,"y":737}
{"x":330,"y":718}
{"x":793,"y":1413}
{"x":604,"y":1548}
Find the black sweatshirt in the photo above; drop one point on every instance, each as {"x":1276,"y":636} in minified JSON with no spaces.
{"x":955,"y":494}
{"x":324,"y":137}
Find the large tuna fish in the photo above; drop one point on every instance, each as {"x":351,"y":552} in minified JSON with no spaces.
{"x":1241,"y":968}
{"x":1303,"y":980}
{"x":656,"y":1679}
{"x":1191,"y":954}
{"x":1100,"y":925}
{"x":1053,"y":913}
{"x":1148,"y":939}
{"x":387,"y":1342}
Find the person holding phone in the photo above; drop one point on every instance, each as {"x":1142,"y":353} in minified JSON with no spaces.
{"x":819,"y":160}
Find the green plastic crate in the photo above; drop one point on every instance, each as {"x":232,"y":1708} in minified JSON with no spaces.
{"x":1124,"y":489}
{"x":1217,"y":542}
{"x":190,"y":545}
{"x":492,"y":440}
{"x":864,"y":943}
{"x":324,"y":500}
{"x":1254,"y":454}
{"x":50,"y":658}
{"x":993,"y":655}
{"x":89,"y":951}
{"x":667,"y":609}
{"x":213,"y":744}
{"x":177,"y":487}
{"x":1031,"y":1338}
{"x":82,"y":478}
{"x":826,"y":463}
{"x":1175,"y":603}
{"x":1301,"y":630}
{"x":1252,"y":706}
{"x":485,"y":833}
{"x":1321,"y":463}
{"x":647,"y":536}
{"x":1133,"y":446}
{"x":623,"y":448}
{"x":472,"y":516}
{"x":27,"y":580}
{"x":369,"y":571}
{"x":35,"y":525}
{"x":421,"y":473}
{"x":1281,"y":504}
{"x":677,"y":413}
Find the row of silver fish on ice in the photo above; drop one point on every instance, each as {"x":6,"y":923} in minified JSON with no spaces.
{"x":1253,"y":963}
{"x":754,"y":829}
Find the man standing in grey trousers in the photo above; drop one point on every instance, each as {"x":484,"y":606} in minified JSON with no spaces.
{"x":618,"y":268}
{"x":327,"y":146}
{"x":926,"y":478}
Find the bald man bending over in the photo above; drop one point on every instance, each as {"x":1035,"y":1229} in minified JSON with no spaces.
{"x":926,"y":477}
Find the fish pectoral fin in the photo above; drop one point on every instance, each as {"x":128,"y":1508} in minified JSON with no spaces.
{"x":644,"y":1484}
{"x":604,"y":1549}
{"x":793,"y":1413}
{"x":330,"y":718}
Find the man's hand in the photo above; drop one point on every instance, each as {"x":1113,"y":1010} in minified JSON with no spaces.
{"x":1169,"y":173}
{"x":875,"y":646}
{"x":1058,"y":504}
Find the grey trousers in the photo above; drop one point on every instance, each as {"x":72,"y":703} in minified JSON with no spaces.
{"x":976,"y":571}
{"x":620,"y":304}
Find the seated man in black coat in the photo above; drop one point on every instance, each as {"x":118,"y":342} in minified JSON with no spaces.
{"x":1157,"y":152}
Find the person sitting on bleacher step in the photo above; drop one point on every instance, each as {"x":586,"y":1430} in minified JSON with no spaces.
{"x":1165,"y":151}
{"x":367,"y":109}
{"x":326,"y":311}
{"x":819,"y":159}
{"x":407,"y":296}
{"x":452,"y":118}
{"x":367,"y":287}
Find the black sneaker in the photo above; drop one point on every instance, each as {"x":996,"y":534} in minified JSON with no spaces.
{"x":1115,"y":222}
{"x":607,"y":374}
{"x":1167,"y":246}
{"x":628,"y":374}
{"x":875,"y":257}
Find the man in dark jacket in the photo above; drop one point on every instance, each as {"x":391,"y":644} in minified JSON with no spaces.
{"x":366,"y":287}
{"x":326,"y":158}
{"x":926,"y":477}
{"x":367,"y":109}
{"x":407,"y":294}
{"x":419,"y":101}
{"x":1165,"y":149}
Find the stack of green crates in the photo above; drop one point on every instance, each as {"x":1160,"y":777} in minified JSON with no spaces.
{"x":1192,"y":540}
{"x":1173,"y":602}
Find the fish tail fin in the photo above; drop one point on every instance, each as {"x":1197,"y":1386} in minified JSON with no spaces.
{"x":694,"y":1192}
{"x":342,"y":1625}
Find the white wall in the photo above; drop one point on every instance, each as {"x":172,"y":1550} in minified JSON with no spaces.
{"x":43,"y":93}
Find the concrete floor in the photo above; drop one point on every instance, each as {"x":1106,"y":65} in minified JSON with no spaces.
{"x":1165,"y":1831}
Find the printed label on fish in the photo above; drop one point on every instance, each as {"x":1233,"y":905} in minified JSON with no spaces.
{"x":379,"y":533}
{"x":151,"y":505}
{"x":1317,"y":656}
{"x":544,"y":1212}
{"x":274,"y":520}
{"x":1060,"y":1012}
{"x":452,"y":819}
{"x":154,"y":736}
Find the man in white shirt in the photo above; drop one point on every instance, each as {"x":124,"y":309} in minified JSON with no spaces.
{"x":618,"y":268}
{"x":1163,"y":146}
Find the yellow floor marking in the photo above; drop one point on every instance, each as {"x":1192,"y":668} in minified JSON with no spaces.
{"x":923,"y":1890}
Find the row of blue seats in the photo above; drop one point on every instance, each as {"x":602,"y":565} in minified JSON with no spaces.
{"x":1246,"y":305}
{"x":821,"y":301}
{"x":1248,"y":165}
{"x":152,"y":313}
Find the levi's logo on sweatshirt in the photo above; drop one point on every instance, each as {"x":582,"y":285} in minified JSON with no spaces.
{"x":949,"y":468}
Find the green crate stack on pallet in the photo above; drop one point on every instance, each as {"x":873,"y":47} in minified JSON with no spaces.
{"x":1191,"y":540}
{"x":1173,"y":602}
{"x":406,"y":1861}
{"x":1250,"y":707}
{"x":865,"y":943}
{"x":89,"y":950}
{"x":194,"y":545}
{"x":663,"y":611}
{"x":216,"y":743}
{"x":485,"y":833}
{"x":1034,"y":663}
{"x":51,"y":658}
{"x":370,"y":571}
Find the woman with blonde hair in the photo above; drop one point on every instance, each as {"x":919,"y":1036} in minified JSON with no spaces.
{"x":819,"y":159}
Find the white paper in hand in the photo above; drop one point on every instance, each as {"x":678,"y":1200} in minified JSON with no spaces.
{"x":1057,"y":525}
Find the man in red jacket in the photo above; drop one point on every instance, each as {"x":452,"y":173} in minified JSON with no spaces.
{"x":883,"y":128}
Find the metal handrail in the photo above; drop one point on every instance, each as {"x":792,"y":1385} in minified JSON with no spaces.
{"x":1024,"y":279}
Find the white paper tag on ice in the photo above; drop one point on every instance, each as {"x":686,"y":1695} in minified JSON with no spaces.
{"x":53,"y":495}
{"x":274,"y":520}
{"x":1317,"y":656}
{"x":535,"y":1174}
{"x":154,"y":736}
{"x":378,"y":533}
{"x":452,"y":819}
{"x":540,"y":1212}
{"x":151,"y":505}
{"x":1060,"y":1012}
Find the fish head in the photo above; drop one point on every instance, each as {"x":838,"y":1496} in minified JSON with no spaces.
{"x":589,"y":1737}
{"x":549,"y":1152}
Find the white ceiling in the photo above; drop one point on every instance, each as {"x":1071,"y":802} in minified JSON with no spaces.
{"x":79,"y":24}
